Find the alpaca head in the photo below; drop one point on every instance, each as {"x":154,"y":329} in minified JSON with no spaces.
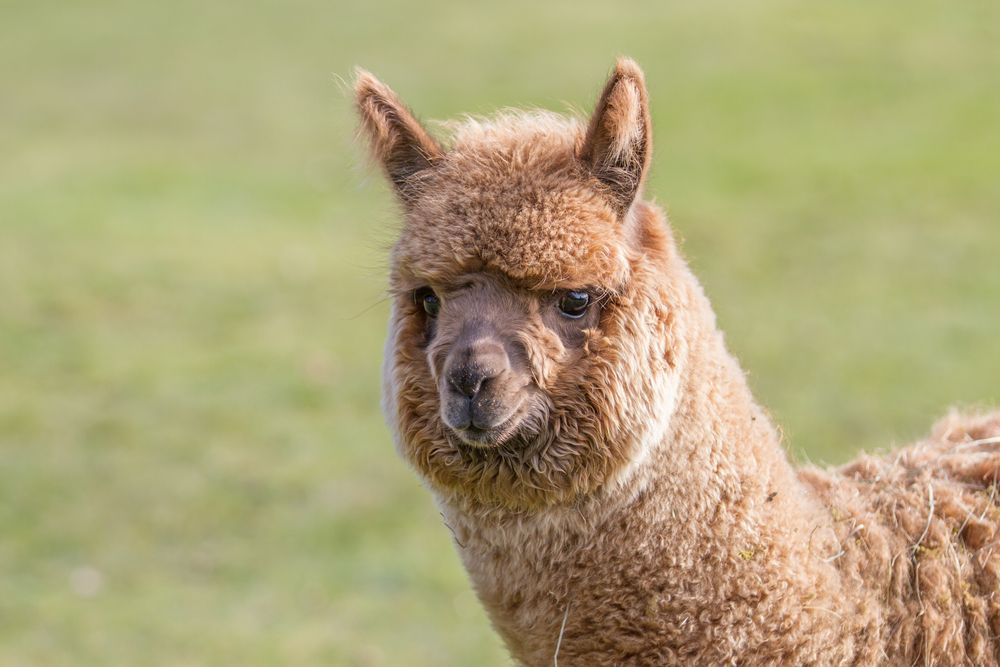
{"x":532,"y":354}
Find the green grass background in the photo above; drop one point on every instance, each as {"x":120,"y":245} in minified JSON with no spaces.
{"x":194,"y":468}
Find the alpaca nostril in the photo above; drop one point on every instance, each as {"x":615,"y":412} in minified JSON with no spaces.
{"x":474,"y":365}
{"x":469,"y":380}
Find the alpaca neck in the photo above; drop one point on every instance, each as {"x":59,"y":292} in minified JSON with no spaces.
{"x":722,"y":447}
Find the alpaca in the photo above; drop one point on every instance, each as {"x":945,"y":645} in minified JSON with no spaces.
{"x":555,"y":375}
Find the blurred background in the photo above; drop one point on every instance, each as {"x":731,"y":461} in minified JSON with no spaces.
{"x":194,"y":467}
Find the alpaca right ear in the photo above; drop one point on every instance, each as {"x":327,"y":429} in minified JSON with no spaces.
{"x":400,"y":144}
{"x":619,"y":144}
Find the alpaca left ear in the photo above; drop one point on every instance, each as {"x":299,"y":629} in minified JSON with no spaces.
{"x":398,"y":141}
{"x":619,"y":144}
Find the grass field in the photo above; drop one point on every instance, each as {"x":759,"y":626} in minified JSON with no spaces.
{"x":194,"y":469}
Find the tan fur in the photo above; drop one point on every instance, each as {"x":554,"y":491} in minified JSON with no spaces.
{"x":638,"y":508}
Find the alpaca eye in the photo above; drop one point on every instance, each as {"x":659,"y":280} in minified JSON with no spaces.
{"x":574,"y":304}
{"x":427,"y":299}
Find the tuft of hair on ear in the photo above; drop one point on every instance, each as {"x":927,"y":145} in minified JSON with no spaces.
{"x":399,"y":143}
{"x":618,"y":144}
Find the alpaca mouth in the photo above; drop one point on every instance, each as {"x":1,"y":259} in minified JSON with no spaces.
{"x":485,"y":438}
{"x":473,"y":427}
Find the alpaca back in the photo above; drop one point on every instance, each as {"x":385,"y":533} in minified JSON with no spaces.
{"x":919,"y":530}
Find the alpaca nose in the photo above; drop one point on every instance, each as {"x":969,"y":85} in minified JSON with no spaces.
{"x":477,"y":364}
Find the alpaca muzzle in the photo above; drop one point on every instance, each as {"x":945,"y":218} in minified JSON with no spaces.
{"x":478,"y":399}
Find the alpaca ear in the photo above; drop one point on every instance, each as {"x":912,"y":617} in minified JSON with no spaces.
{"x":398,"y":142}
{"x":618,"y":145}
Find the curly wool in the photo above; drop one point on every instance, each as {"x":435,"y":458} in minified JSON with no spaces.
{"x":919,"y":544}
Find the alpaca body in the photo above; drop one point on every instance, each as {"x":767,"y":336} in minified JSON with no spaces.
{"x":555,"y":374}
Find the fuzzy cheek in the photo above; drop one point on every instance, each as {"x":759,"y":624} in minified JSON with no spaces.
{"x":389,"y":384}
{"x":545,"y":351}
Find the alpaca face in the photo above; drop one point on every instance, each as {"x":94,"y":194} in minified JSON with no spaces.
{"x":530,"y":356}
{"x":481,"y":336}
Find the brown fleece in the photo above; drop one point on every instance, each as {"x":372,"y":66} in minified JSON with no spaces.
{"x":643,"y":511}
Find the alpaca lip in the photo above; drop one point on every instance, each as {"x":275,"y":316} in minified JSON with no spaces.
{"x":483,"y":438}
{"x":462,"y":420}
